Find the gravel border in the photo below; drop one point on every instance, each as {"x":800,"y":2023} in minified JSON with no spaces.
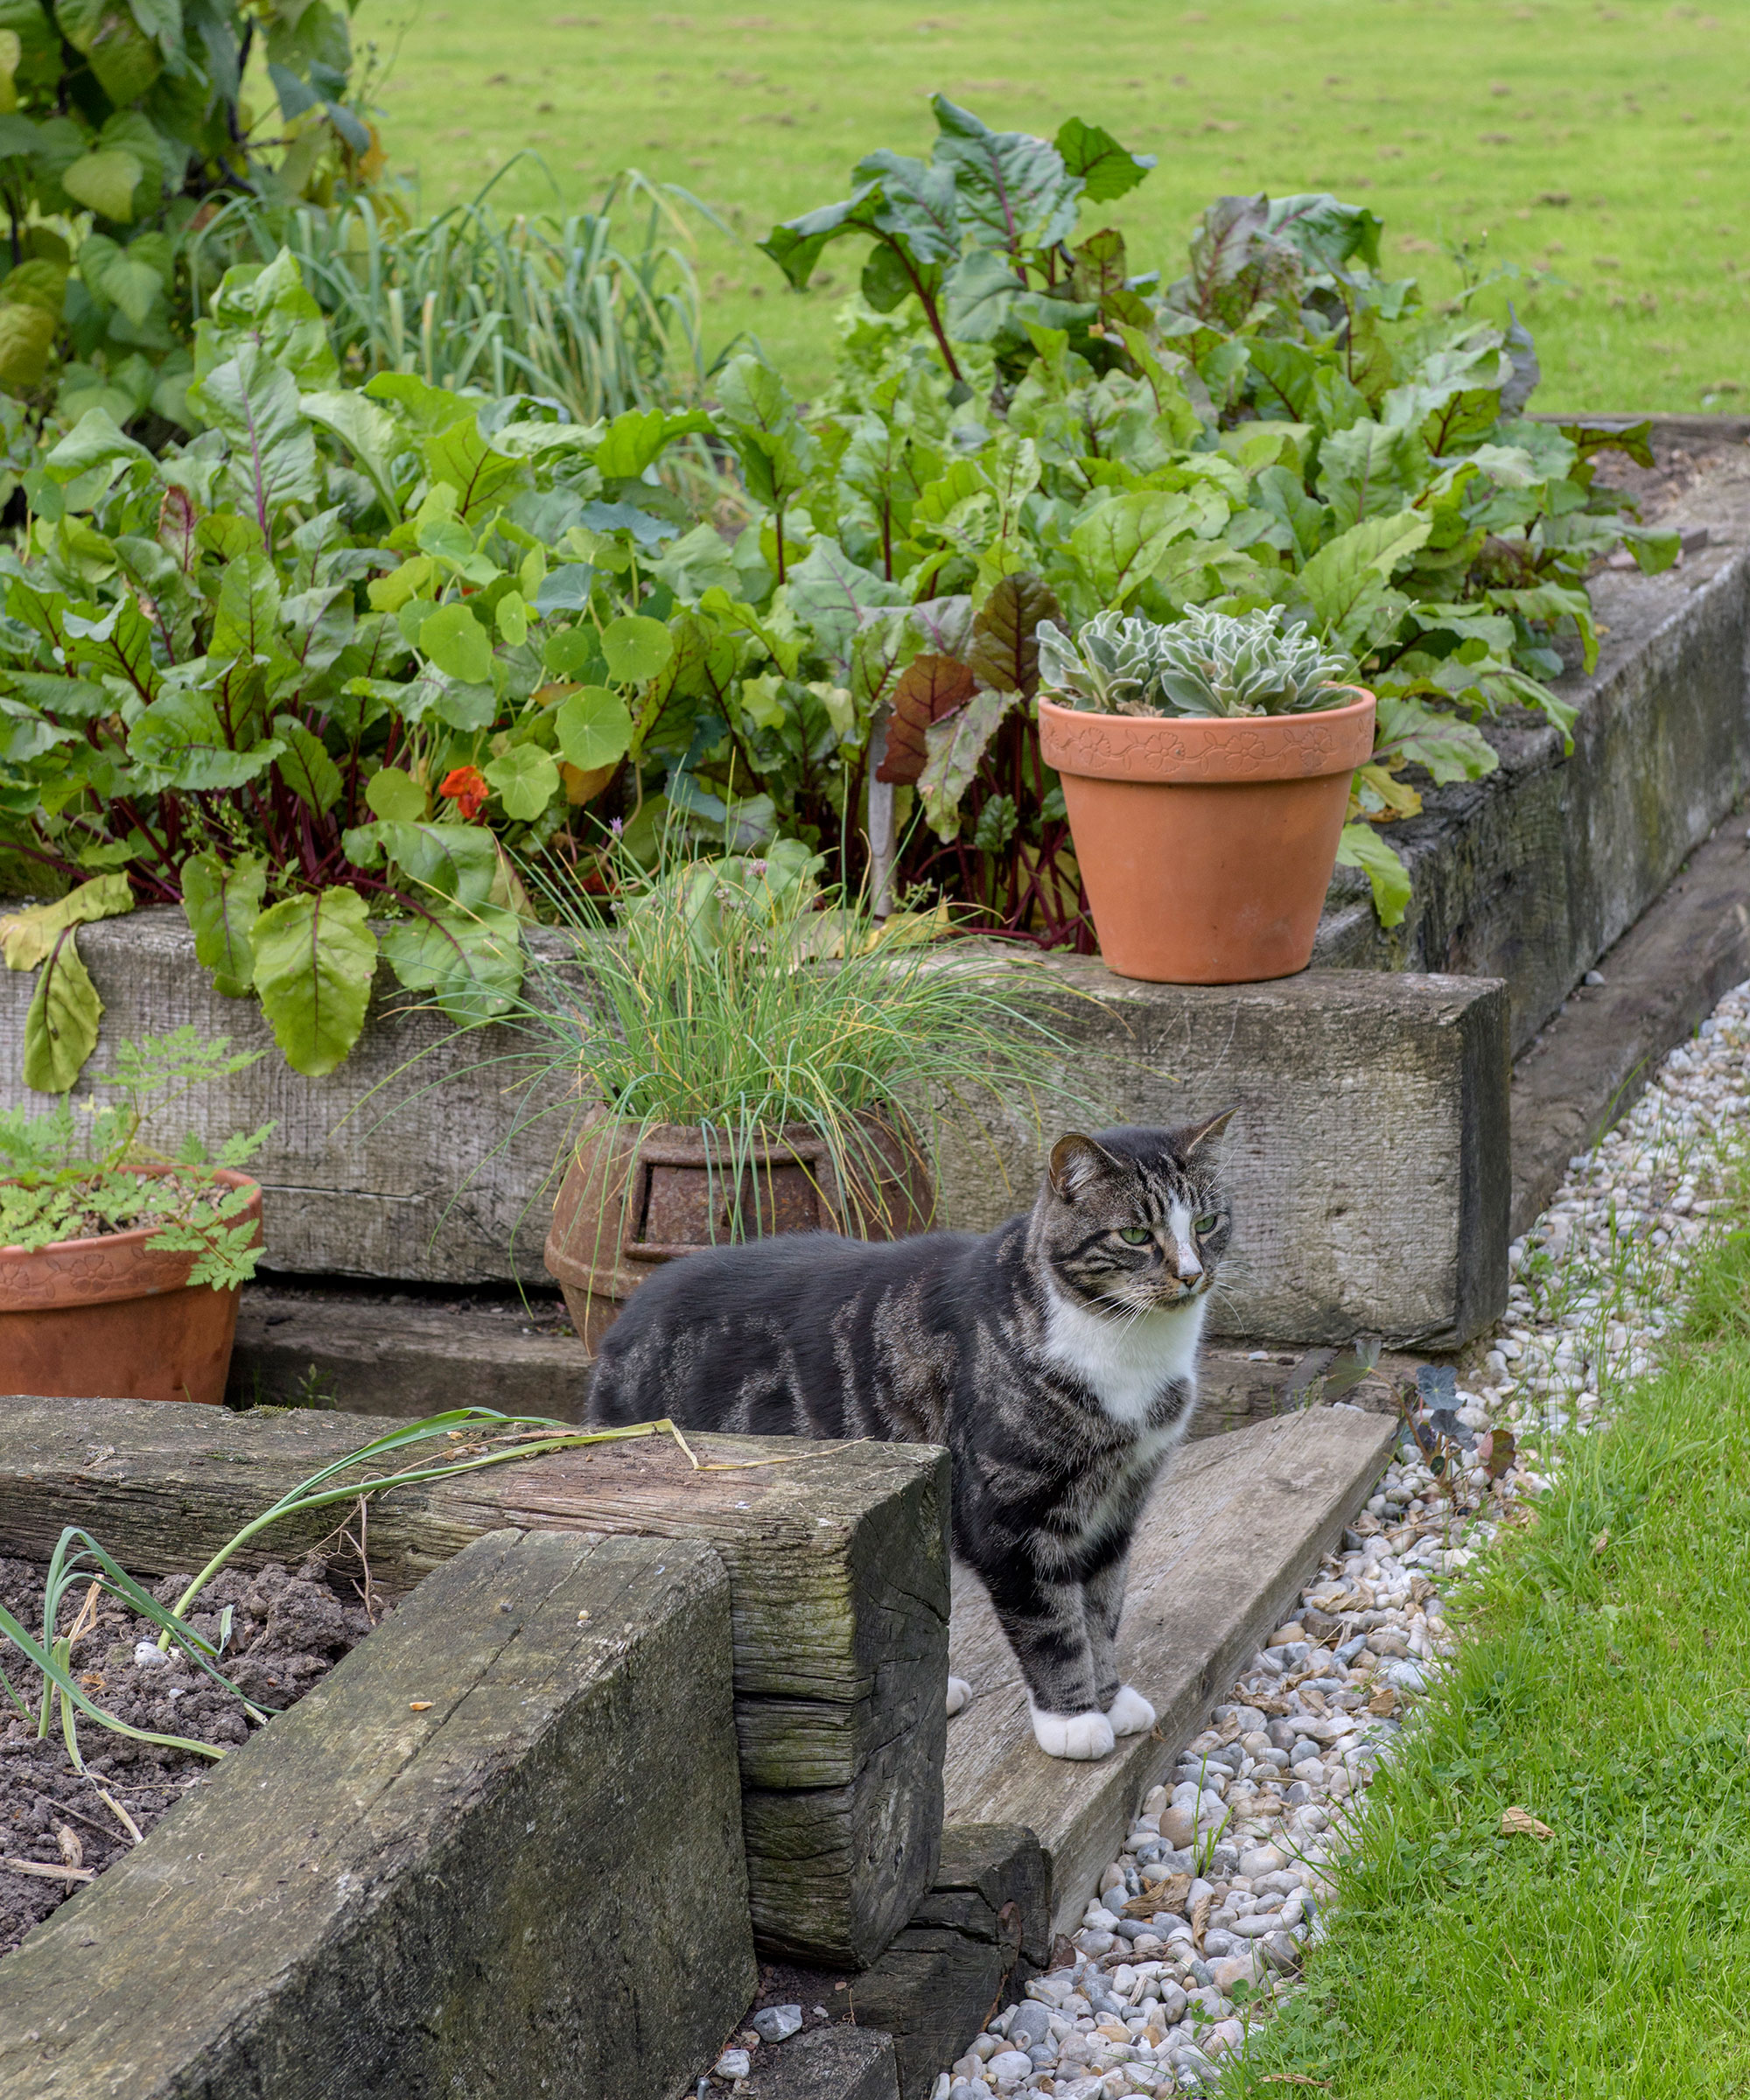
{"x":1202,"y":1920}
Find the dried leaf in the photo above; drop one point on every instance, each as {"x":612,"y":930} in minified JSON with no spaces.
{"x":1600,"y":1542}
{"x":929,"y":688}
{"x":1200,"y":1917}
{"x":71,"y":1850}
{"x":1520,"y":1823}
{"x":1383,"y":1704}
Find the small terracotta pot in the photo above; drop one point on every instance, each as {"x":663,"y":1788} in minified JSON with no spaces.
{"x":104,"y":1318}
{"x":1207,"y":844}
{"x":637,"y":1195}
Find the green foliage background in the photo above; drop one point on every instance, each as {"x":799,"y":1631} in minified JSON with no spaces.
{"x":1451,"y":119}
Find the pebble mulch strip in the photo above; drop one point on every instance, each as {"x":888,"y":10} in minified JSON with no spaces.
{"x":1201,"y":1921}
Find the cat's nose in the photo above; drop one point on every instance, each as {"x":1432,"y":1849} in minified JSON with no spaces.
{"x":1188,"y":1266}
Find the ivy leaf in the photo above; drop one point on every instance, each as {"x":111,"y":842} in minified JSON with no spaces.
{"x":28,"y":937}
{"x":593,"y":728}
{"x":526,"y":779}
{"x":61,"y":1028}
{"x":1107,"y":169}
{"x":457,"y":644}
{"x":1362,"y":846}
{"x":472,"y":961}
{"x":221,"y":901}
{"x":305,"y":767}
{"x":930,"y":688}
{"x":1005,"y":650}
{"x":315,"y":957}
{"x":953,"y":746}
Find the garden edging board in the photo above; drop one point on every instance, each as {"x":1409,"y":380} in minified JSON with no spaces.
{"x":436,"y":1862}
{"x":837,"y":1560}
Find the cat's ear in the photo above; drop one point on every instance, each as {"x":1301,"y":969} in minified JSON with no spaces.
{"x":1195,"y":1134}
{"x":1076,"y":1163}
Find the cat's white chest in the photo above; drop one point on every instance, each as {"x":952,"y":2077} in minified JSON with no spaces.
{"x":1126,"y":1364}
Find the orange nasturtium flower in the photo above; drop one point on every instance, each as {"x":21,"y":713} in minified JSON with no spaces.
{"x":466,"y":788}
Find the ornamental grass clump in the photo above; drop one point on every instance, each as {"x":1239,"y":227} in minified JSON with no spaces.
{"x":741,"y":997}
{"x":1208,"y":664}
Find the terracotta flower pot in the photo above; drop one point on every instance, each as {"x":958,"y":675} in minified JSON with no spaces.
{"x":1207,"y":844}
{"x":635,"y":1196}
{"x":106,"y":1319}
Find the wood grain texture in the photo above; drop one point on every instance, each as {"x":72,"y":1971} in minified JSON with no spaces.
{"x":368,"y":1901}
{"x":837,"y":1560}
{"x":1531,"y":874}
{"x":1666,"y":974}
{"x":1368,"y":1102}
{"x":1230,"y":1537}
{"x":1368,"y":1162}
{"x":981,"y":1930}
{"x":830,"y":2063}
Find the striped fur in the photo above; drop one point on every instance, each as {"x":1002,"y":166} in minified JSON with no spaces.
{"x":1055,"y":1357}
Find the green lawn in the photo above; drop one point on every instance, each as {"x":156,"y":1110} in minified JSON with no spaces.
{"x":1604,"y":1688}
{"x":1601,"y":149}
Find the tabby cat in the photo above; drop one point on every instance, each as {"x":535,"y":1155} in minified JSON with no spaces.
{"x":1055,"y":1357}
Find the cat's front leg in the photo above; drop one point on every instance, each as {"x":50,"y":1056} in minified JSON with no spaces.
{"x":1103,"y":1600}
{"x":959,"y":1692}
{"x":1046,"y":1627}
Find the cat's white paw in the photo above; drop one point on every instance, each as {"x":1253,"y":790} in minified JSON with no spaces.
{"x":958,"y":1693}
{"x":1130,"y":1713}
{"x":1082,"y":1736}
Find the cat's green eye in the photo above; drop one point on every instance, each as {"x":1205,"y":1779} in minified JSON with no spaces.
{"x":1207,"y":1223}
{"x":1135,"y":1235}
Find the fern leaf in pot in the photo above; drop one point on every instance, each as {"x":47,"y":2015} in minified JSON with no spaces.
{"x":753,"y":1055}
{"x":1205,"y":768}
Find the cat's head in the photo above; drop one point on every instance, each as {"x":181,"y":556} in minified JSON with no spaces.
{"x":1135,"y":1220}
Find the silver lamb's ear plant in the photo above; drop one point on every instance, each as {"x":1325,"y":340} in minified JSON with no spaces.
{"x":1209,"y":664}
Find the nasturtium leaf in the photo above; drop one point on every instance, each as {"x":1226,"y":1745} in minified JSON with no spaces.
{"x":471,"y":960}
{"x":636,"y":648}
{"x":61,"y":1028}
{"x":221,"y":901}
{"x":395,"y":795}
{"x":526,"y":780}
{"x":457,"y":644}
{"x":593,"y":728}
{"x":575,"y":652}
{"x":28,"y":937}
{"x":305,"y":767}
{"x":315,"y":957}
{"x":512,"y":615}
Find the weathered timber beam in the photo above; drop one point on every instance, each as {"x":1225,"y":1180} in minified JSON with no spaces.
{"x":435,"y":1868}
{"x":838,"y":1559}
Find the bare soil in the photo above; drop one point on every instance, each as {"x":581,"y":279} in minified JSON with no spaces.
{"x":288,"y":1629}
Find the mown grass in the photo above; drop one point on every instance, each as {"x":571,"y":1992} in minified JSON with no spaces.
{"x":1455,"y":120}
{"x":1605,"y":1687}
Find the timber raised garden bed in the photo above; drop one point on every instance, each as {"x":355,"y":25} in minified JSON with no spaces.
{"x":1373,"y":1130}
